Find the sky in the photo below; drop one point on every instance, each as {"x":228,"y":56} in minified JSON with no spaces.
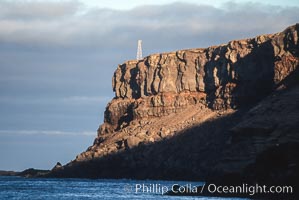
{"x":57,"y":60}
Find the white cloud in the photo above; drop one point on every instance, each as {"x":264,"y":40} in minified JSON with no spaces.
{"x":125,"y":5}
{"x":62,"y":23}
{"x":37,"y":10}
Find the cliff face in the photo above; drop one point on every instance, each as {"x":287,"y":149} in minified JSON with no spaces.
{"x":200,"y":104}
{"x":220,"y":77}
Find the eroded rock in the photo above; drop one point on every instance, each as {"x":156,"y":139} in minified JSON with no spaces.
{"x":186,"y":107}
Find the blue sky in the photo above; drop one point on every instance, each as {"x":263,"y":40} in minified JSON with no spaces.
{"x":57,"y":59}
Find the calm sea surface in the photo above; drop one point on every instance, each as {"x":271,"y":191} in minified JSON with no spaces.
{"x":67,"y":189}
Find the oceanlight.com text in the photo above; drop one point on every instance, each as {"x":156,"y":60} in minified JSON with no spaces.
{"x":249,"y":189}
{"x":243,"y":189}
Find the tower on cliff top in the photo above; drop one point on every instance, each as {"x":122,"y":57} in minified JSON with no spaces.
{"x":139,"y":50}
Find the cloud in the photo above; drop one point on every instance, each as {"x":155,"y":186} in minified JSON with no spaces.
{"x":69,"y":100}
{"x":163,"y":24}
{"x":37,"y":21}
{"x":86,"y":99}
{"x":46,"y":132}
{"x":37,"y":10}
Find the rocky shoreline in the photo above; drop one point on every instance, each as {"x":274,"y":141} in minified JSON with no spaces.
{"x":28,"y":173}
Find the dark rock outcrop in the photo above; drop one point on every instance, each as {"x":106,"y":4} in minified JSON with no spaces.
{"x":8,"y":173}
{"x":202,"y":114}
{"x":31,"y":172}
{"x":58,"y":166}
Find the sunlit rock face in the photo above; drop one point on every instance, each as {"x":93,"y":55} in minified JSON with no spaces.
{"x":198,"y":112}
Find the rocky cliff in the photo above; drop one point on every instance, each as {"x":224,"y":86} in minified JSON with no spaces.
{"x":201,"y":114}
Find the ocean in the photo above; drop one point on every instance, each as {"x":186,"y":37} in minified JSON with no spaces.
{"x":12,"y":187}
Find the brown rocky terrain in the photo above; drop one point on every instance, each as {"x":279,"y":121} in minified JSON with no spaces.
{"x":224,"y":111}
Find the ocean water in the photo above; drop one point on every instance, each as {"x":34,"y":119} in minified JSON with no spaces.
{"x":100,"y":189}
